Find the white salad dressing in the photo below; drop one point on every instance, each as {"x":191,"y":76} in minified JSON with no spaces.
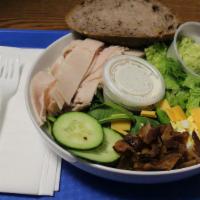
{"x":132,"y":82}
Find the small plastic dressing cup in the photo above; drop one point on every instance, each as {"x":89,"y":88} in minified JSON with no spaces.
{"x":191,"y":30}
{"x":132,"y":82}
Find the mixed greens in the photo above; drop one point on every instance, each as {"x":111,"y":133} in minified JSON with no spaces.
{"x":181,"y":88}
{"x":92,"y":133}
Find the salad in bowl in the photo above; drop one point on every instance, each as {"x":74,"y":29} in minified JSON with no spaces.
{"x":124,"y":114}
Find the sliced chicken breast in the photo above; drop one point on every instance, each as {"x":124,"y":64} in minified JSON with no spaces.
{"x":40,"y":85}
{"x":74,"y":77}
{"x":65,"y":52}
{"x":89,"y":85}
{"x":56,"y":96}
{"x":74,"y":67}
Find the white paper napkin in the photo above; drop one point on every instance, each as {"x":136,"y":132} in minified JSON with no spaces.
{"x":27,"y":165}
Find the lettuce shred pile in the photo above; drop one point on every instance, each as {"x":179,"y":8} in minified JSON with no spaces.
{"x":181,"y":89}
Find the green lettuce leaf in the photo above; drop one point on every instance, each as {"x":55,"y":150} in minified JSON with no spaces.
{"x":182,"y":98}
{"x":191,"y":82}
{"x":106,"y":115}
{"x":194,"y":99}
{"x":181,"y":89}
{"x":171,"y":83}
{"x":141,"y":121}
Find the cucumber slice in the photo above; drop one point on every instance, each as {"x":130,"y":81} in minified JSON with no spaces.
{"x":77,"y":130}
{"x":103,"y":153}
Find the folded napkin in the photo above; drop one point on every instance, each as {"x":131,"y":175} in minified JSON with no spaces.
{"x":27,"y":165}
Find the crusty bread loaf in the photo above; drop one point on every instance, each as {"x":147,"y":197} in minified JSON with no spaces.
{"x":125,"y":22}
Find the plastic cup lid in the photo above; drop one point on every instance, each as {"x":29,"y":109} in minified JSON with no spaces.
{"x":132,"y":81}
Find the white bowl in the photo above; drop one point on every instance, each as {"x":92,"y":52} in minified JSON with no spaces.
{"x":45,"y":60}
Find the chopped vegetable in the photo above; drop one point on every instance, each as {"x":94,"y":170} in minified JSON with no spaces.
{"x":191,"y":82}
{"x":97,"y":101}
{"x":194,"y":99}
{"x":103,"y":153}
{"x":181,"y":89}
{"x":77,"y":130}
{"x":162,"y":116}
{"x":142,"y":121}
{"x":47,"y":127}
{"x":106,"y":115}
{"x":157,"y":55}
{"x":147,"y":113}
{"x":189,"y":50}
{"x":120,"y":109}
{"x":139,"y":121}
{"x":121,"y":126}
{"x":51,"y":118}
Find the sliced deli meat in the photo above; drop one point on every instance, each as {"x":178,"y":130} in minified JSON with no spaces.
{"x":55,"y":67}
{"x":93,"y":78}
{"x":75,"y":66}
{"x":65,"y":52}
{"x":73,"y":79}
{"x":56,"y":96}
{"x":70,"y":47}
{"x":40,"y":86}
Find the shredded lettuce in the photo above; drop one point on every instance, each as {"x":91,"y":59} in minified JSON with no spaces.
{"x":156,"y":54}
{"x":189,"y":51}
{"x":169,"y":68}
{"x":191,"y":82}
{"x":193,"y":100}
{"x":171,"y":83}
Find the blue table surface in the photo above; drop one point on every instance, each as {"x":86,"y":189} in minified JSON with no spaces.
{"x":78,"y":185}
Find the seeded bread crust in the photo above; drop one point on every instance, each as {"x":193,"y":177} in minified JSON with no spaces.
{"x":132,"y":23}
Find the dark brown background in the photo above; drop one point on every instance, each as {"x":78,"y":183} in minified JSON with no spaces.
{"x":49,"y":14}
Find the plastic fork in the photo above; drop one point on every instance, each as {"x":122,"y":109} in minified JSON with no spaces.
{"x":9,"y":80}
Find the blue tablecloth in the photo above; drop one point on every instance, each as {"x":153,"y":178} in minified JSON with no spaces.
{"x":79,"y":185}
